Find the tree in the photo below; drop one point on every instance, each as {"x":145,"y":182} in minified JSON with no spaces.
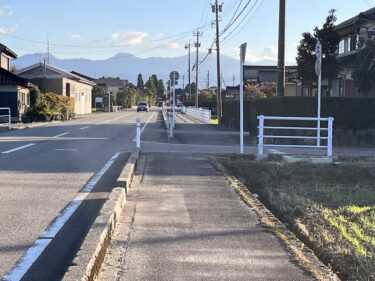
{"x":364,"y":74}
{"x":140,"y":84}
{"x":306,"y":52}
{"x":160,"y":88}
{"x":127,"y":97}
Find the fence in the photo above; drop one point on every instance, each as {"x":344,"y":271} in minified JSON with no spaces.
{"x":319,"y":129}
{"x":5,"y":119}
{"x":200,"y":114}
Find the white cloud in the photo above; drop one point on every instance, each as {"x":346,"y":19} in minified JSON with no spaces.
{"x":75,"y":36}
{"x":128,"y":37}
{"x":173,"y":46}
{"x":5,"y":11}
{"x":7,"y":30}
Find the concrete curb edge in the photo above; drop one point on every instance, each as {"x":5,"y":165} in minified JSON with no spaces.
{"x":87,"y":263}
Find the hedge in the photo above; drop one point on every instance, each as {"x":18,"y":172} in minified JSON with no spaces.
{"x":349,"y":112}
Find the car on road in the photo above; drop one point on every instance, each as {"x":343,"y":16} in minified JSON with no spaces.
{"x":142,"y":106}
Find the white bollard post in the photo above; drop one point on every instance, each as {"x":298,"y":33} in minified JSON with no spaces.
{"x":170,"y":122}
{"x":330,"y":133}
{"x":260,"y":135}
{"x":138,"y":138}
{"x":10,"y":120}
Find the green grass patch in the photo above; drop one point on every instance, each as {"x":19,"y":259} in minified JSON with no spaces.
{"x":331,"y":207}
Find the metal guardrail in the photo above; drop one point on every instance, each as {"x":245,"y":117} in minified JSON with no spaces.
{"x":318,"y":129}
{"x":200,"y":114}
{"x":6,"y":117}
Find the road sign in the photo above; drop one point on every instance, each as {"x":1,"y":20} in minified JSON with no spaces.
{"x":98,"y":99}
{"x":174,"y":75}
{"x":318,"y":54}
{"x":243,"y":52}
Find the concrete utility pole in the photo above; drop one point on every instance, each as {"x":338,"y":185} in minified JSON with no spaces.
{"x":187,"y":46}
{"x":216,"y":9}
{"x":281,"y":50}
{"x":197,"y":45}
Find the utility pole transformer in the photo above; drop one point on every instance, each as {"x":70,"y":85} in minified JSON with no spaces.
{"x":197,"y":45}
{"x":281,"y":51}
{"x":216,"y":8}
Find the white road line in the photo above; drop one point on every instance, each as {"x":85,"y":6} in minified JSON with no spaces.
{"x":60,"y":135}
{"x":145,"y":125}
{"x":276,"y":151}
{"x":27,"y":260}
{"x":66,"y":149}
{"x":32,"y":254}
{"x":84,"y":127}
{"x":18,"y":148}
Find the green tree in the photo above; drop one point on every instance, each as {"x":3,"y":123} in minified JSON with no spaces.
{"x":127,"y":97}
{"x":306,"y":52}
{"x":364,"y":74}
{"x":160,"y":88}
{"x":140,"y":84}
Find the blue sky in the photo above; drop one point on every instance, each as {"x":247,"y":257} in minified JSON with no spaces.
{"x":99,"y":29}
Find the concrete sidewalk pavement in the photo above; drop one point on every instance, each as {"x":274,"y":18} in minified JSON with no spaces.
{"x":184,"y":222}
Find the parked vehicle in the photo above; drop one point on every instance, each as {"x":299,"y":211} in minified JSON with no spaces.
{"x":142,"y":106}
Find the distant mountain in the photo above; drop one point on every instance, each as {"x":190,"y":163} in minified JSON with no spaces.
{"x":128,"y":66}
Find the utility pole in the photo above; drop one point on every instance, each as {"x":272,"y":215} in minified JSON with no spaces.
{"x":208,"y":80}
{"x":281,"y":50}
{"x":234,"y":79}
{"x":197,"y":45}
{"x":216,"y":9}
{"x":187,"y":46}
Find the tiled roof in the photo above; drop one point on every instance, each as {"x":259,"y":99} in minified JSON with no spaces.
{"x":4,"y":49}
{"x":9,"y":78}
{"x":364,"y":16}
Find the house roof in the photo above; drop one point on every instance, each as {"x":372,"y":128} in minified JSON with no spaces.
{"x":368,"y":15}
{"x":9,"y":78}
{"x":59,"y":71}
{"x":4,"y":49}
{"x":83,"y":76}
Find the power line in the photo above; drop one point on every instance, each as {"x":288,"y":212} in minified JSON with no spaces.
{"x":236,"y":18}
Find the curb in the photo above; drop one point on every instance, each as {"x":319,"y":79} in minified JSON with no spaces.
{"x":126,"y":176}
{"x":87,"y":263}
{"x":304,"y":255}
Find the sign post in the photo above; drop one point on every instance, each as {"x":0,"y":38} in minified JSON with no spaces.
{"x":318,"y":72}
{"x":242,"y":60}
{"x":173,"y":76}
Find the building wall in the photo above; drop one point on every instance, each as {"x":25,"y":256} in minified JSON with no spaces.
{"x":5,"y":62}
{"x":17,"y":98}
{"x":82,"y":94}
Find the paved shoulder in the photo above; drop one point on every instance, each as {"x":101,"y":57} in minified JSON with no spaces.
{"x":185,"y":223}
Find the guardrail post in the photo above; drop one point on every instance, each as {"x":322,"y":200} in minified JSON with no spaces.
{"x":170,"y":125}
{"x":138,"y":137}
{"x":260,"y":135}
{"x":330,"y":133}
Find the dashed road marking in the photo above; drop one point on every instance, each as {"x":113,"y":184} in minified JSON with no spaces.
{"x":60,"y":135}
{"x":18,"y":148}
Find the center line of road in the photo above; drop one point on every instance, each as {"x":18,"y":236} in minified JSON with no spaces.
{"x":60,"y":135}
{"x":66,"y":149}
{"x":145,"y":125}
{"x":18,"y":148}
{"x":33,"y":253}
{"x":84,"y":128}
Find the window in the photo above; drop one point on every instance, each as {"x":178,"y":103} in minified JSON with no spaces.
{"x":353,"y":42}
{"x":342,"y":46}
{"x":68,"y":89}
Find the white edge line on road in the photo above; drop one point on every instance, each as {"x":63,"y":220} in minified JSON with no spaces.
{"x":66,"y":149}
{"x":18,"y":148}
{"x":27,"y":260}
{"x":60,"y":135}
{"x":32,"y":254}
{"x":145,"y":125}
{"x":84,"y":127}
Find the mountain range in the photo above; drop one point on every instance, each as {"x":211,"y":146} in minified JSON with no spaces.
{"x":128,"y":66}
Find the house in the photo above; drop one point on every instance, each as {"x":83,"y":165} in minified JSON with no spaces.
{"x":351,"y":31}
{"x":267,"y":75}
{"x":14,"y":90}
{"x":52,"y":79}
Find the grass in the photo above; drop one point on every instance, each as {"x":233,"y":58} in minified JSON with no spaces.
{"x":330,"y":207}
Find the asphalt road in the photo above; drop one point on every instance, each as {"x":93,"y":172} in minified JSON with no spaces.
{"x":57,"y":177}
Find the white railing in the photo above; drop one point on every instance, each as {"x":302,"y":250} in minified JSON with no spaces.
{"x":327,"y":139}
{"x":200,"y":114}
{"x":5,"y":117}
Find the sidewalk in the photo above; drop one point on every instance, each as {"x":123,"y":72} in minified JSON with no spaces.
{"x":183,"y":221}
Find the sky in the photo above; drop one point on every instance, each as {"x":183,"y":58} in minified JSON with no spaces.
{"x":98,"y":30}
